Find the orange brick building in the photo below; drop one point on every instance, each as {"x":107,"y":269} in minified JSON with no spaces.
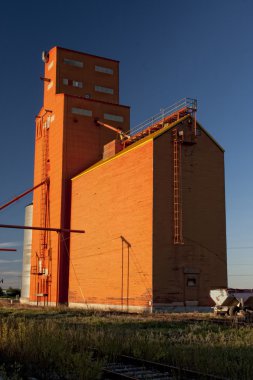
{"x":152,"y":205}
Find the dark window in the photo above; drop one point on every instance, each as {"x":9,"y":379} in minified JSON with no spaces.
{"x":191,"y":282}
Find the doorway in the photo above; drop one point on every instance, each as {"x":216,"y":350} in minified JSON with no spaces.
{"x":191,"y":289}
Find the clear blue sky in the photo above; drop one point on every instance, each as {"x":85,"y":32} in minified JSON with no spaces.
{"x":168,"y":49}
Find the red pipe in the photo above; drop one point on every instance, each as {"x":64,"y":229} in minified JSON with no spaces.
{"x":22,"y":195}
{"x":117,"y":130}
{"x":41,"y":228}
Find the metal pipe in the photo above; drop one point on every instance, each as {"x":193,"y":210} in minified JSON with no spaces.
{"x":117,"y":130}
{"x":7,"y":250}
{"x":22,"y":195}
{"x":41,"y":228}
{"x":45,"y":79}
{"x":125,"y":241}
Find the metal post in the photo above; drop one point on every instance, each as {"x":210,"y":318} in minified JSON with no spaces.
{"x":122,"y":272}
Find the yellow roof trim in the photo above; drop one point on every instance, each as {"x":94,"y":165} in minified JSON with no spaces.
{"x":133,"y":146}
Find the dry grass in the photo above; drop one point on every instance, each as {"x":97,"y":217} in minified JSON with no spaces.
{"x":55,"y":343}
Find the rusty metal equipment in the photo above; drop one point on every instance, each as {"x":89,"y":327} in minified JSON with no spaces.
{"x":121,"y":134}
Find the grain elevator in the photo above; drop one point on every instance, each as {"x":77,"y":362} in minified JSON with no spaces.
{"x":151,"y":201}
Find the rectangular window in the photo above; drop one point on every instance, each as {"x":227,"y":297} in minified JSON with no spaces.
{"x":105,"y":90}
{"x":48,"y":121}
{"x":38,"y":129}
{"x":73,"y":62}
{"x":50,"y":85}
{"x":191,"y":282}
{"x":81,"y":111}
{"x":51,"y":64}
{"x":109,"y":116}
{"x":105,"y":70}
{"x":75,"y":83}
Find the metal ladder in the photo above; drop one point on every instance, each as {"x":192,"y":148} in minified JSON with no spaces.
{"x":42,"y":281}
{"x":177,"y":188}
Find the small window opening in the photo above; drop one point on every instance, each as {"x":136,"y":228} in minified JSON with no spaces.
{"x":191,"y":282}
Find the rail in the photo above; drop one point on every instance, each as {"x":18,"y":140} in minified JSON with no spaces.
{"x":127,"y":367}
{"x":185,"y":103}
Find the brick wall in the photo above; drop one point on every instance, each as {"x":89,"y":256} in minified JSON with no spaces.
{"x":112,"y":201}
{"x":202,"y":258}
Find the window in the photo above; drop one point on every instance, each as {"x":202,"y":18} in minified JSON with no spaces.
{"x":48,"y":122}
{"x":81,"y":111}
{"x":73,"y":62}
{"x":191,"y":282}
{"x":50,"y":85}
{"x":50,"y":65}
{"x":105,"y":90}
{"x":75,"y":83}
{"x":105,"y":70}
{"x":38,"y":129}
{"x":109,"y":116}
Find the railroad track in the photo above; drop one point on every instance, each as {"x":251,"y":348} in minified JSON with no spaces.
{"x":127,"y":367}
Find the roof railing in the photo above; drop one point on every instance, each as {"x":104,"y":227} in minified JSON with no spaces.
{"x":186,"y":104}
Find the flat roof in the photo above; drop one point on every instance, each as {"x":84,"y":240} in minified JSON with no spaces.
{"x":90,"y":55}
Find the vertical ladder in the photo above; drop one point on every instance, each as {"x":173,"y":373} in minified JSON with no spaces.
{"x":177,"y":191}
{"x":42,"y":280}
{"x":44,"y":189}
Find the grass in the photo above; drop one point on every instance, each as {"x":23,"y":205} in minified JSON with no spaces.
{"x":55,"y":343}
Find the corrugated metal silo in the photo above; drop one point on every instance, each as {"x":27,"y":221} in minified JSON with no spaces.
{"x":27,"y":249}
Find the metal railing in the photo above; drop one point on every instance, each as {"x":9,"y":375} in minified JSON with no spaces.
{"x":185,"y":103}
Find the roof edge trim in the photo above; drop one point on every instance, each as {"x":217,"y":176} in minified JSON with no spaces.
{"x":141,"y":142}
{"x":83,"y":53}
{"x":135,"y":145}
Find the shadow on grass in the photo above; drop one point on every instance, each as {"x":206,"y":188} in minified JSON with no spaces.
{"x":56,"y":344}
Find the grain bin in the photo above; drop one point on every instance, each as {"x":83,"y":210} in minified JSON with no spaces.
{"x":27,"y":249}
